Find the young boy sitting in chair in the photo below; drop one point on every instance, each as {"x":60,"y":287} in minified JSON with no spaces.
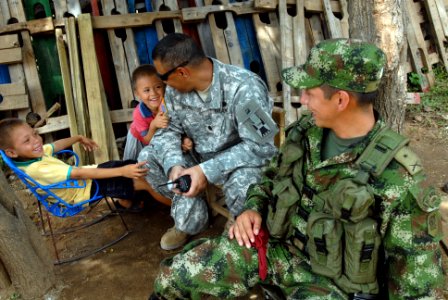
{"x":117,"y":179}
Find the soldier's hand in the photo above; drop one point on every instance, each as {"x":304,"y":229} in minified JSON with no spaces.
{"x":175,"y":172}
{"x":198,"y":181}
{"x":246,"y":227}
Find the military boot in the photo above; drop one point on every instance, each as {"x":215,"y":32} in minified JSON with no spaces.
{"x":173,"y":239}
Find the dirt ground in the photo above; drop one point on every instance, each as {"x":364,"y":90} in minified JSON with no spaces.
{"x":127,"y":270}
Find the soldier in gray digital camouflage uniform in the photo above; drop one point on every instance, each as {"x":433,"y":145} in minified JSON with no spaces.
{"x":226,"y":111}
{"x":342,"y":212}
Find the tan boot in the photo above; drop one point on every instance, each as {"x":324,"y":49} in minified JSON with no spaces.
{"x":173,"y":239}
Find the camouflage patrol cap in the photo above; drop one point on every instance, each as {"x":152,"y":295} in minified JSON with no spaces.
{"x":345,"y":64}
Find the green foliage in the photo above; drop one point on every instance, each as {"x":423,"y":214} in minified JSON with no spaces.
{"x":414,"y":82}
{"x":434,"y":104}
{"x":15,"y":296}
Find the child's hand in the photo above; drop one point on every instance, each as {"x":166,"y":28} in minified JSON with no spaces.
{"x":187,"y":144}
{"x":88,"y":144}
{"x":137,"y":170}
{"x":160,"y":121}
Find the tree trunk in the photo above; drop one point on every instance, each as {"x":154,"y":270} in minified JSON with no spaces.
{"x":382,"y":22}
{"x":24,"y":258}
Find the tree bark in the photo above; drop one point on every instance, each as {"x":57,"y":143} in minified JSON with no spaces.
{"x":382,"y":22}
{"x":25,"y":259}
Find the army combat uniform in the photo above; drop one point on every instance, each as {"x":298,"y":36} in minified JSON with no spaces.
{"x":232,"y":130}
{"x":357,"y":223}
{"x":222,"y":268}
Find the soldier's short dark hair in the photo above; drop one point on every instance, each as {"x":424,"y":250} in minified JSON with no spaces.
{"x":363,"y":99}
{"x":177,"y":48}
{"x":143,"y":70}
{"x":6,"y":127}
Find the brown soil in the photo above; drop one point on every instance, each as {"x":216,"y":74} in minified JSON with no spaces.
{"x":127,"y":269}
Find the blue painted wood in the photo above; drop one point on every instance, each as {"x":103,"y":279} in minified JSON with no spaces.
{"x":145,"y":38}
{"x":4,"y":74}
{"x":249,"y":46}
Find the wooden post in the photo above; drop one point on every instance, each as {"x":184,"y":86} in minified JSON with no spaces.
{"x":99,"y":113}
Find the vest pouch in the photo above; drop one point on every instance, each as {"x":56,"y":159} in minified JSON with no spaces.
{"x":290,"y":153}
{"x":324,"y":244}
{"x":362,"y":241}
{"x":287,"y":198}
{"x":350,"y":201}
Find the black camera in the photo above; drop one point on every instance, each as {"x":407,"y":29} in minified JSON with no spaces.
{"x":182,"y":183}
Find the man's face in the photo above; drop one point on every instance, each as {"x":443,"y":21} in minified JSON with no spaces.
{"x":177,"y":77}
{"x":323,"y":109}
{"x":26,"y":143}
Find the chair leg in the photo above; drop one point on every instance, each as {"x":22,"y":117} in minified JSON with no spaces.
{"x":53,"y":240}
{"x":114,"y":211}
{"x":59,"y":261}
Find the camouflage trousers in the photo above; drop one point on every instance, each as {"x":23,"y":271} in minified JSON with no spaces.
{"x":191,"y":214}
{"x":221,"y":268}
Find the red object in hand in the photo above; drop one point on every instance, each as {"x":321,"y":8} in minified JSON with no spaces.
{"x":260,"y":243}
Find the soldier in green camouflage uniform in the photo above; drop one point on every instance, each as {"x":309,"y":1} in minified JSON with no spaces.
{"x":338,"y":84}
{"x":226,"y":111}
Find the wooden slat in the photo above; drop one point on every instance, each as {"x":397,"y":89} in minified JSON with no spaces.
{"x":189,"y":14}
{"x":132,"y":20}
{"x":299,"y":38}
{"x":204,"y":32}
{"x":60,"y":8}
{"x":437,"y":28}
{"x":418,"y":49}
{"x":54,"y":124}
{"x":268,"y":36}
{"x":169,"y":5}
{"x":315,"y":28}
{"x":33,"y":26}
{"x":238,"y":8}
{"x":225,"y":40}
{"x":11,"y":56}
{"x":99,"y":113}
{"x":15,"y":71}
{"x":287,"y":51}
{"x":14,"y":102}
{"x":29,"y":61}
{"x":441,"y":8}
{"x":124,"y":55}
{"x":121,"y":115}
{"x":9,"y":41}
{"x":15,"y":88}
{"x":333,"y":24}
{"x":344,"y":21}
{"x":68,"y":91}
{"x":312,"y":6}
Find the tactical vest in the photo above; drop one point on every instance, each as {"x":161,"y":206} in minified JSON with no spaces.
{"x":342,"y":238}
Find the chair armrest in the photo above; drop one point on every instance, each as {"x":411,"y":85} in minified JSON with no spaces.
{"x":71,"y":153}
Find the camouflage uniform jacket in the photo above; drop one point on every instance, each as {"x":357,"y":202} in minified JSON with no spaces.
{"x":222,"y":141}
{"x":405,"y":208}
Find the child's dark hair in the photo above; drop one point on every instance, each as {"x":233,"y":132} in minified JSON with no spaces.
{"x":6,"y":126}
{"x":143,"y":70}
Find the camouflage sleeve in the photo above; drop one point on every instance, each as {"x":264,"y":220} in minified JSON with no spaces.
{"x":168,"y":140}
{"x":256,"y":147}
{"x":259,"y":195}
{"x":412,"y":231}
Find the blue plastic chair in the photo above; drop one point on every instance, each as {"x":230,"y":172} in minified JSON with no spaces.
{"x":60,"y":208}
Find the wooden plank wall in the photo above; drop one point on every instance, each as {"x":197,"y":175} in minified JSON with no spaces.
{"x":283,"y":32}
